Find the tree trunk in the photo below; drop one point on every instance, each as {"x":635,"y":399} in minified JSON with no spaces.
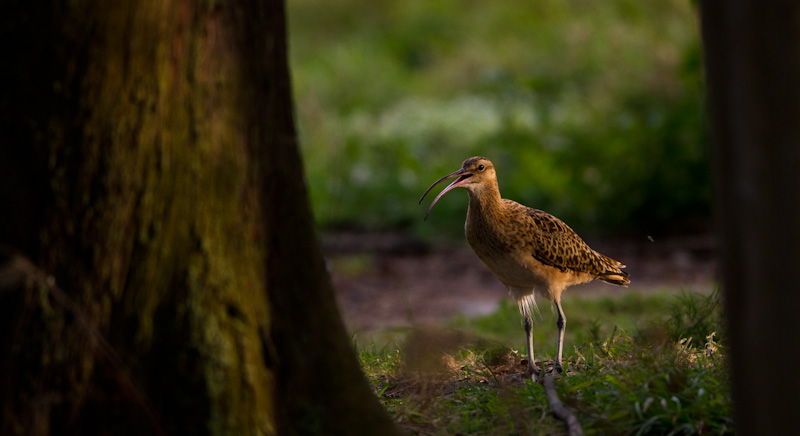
{"x":159,"y":270}
{"x":752,"y":53}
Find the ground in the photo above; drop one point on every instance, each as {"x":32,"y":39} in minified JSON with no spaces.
{"x":391,"y":280}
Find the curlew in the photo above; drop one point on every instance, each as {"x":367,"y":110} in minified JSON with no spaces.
{"x":527,"y":249}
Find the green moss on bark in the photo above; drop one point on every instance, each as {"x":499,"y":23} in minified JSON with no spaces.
{"x":171,"y":209}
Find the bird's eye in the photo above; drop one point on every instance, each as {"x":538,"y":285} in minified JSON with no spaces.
{"x":481,"y":167}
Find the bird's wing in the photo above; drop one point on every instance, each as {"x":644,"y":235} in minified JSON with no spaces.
{"x":552,"y":242}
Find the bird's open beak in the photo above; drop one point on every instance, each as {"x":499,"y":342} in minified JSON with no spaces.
{"x":461,"y":174}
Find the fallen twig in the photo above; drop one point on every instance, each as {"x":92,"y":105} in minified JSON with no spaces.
{"x":557,"y":407}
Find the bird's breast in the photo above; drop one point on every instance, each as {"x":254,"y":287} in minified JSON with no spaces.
{"x":509,"y":255}
{"x":506,"y":257}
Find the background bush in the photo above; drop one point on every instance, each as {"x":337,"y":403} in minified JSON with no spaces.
{"x":592,"y":111}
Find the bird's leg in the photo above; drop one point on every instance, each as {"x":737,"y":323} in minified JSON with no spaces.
{"x":561,"y":323}
{"x":532,"y":368}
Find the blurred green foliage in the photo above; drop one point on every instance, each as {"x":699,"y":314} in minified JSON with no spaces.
{"x":592,"y":111}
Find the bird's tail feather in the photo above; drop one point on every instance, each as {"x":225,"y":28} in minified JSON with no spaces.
{"x":620,"y":278}
{"x":614,"y":274}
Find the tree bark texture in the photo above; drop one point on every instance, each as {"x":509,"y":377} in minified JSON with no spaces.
{"x":160,"y":271}
{"x":752,"y":52}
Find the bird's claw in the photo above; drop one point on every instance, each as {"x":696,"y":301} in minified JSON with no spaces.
{"x":556,"y":370}
{"x":534,"y":372}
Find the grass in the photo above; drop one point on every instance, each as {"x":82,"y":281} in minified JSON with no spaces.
{"x":630,"y":373}
{"x":626,"y":312}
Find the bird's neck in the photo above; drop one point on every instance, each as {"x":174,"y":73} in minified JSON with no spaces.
{"x":485,"y":203}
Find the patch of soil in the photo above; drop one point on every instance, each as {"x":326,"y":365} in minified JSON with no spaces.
{"x":389,"y":279}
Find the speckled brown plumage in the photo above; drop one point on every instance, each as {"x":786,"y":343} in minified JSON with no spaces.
{"x":528,"y":250}
{"x":550,"y":241}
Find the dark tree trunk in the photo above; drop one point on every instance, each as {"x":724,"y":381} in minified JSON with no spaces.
{"x":159,"y":270}
{"x":753,"y":61}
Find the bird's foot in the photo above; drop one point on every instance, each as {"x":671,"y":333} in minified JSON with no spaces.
{"x":556,"y":369}
{"x":533,"y":371}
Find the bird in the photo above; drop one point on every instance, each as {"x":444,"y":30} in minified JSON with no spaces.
{"x":528,"y":250}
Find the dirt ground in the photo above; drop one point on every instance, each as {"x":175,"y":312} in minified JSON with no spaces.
{"x":388,"y":280}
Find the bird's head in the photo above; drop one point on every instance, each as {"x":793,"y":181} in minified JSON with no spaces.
{"x":476,"y":174}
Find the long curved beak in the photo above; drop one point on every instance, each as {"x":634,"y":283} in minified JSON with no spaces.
{"x":462,"y":175}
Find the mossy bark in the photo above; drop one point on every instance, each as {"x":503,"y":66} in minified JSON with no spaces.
{"x":160,"y":268}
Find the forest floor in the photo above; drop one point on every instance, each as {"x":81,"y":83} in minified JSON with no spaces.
{"x":387,"y":280}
